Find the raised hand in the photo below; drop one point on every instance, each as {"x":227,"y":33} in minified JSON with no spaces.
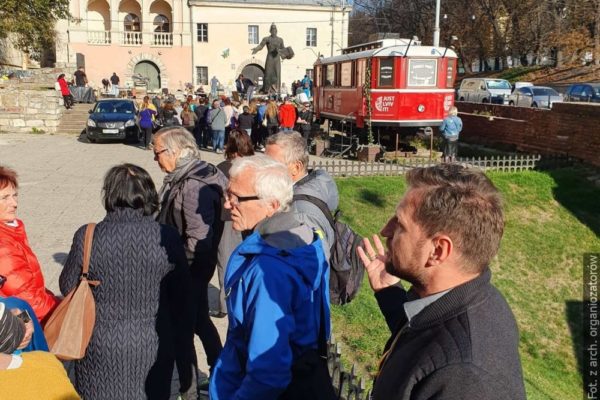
{"x":374,"y":262}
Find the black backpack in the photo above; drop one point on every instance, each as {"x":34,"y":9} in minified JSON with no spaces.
{"x":346,"y":272}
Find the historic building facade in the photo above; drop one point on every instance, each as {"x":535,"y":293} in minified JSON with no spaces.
{"x":174,"y":42}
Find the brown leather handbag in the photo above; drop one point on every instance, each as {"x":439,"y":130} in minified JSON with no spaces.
{"x":69,"y":328}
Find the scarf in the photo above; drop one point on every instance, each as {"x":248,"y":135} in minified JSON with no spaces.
{"x":182,"y":168}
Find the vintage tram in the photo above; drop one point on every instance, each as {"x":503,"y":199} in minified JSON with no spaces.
{"x":396,"y":85}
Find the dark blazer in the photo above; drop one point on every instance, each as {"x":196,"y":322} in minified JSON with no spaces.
{"x":462,"y":346}
{"x":143,"y":315}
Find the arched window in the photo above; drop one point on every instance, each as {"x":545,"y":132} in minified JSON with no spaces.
{"x":132,"y":23}
{"x":161,"y":24}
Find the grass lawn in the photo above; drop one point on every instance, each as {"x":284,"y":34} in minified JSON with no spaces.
{"x":552,"y":219}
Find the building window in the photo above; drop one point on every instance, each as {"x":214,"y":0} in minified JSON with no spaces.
{"x":161,"y":24}
{"x":202,"y":75}
{"x":311,"y":37}
{"x":252,"y":34}
{"x":202,"y":32}
{"x":132,"y":23}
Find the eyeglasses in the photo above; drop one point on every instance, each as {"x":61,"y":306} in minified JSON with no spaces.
{"x":158,"y":153}
{"x":235,"y":200}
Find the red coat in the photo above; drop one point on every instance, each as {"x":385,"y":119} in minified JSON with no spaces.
{"x":287,"y":115}
{"x":64,"y":88}
{"x":22,"y":271}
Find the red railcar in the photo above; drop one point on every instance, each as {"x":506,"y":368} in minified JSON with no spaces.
{"x":396,"y":84}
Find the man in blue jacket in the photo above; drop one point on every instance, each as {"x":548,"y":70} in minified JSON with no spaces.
{"x":276,"y":284}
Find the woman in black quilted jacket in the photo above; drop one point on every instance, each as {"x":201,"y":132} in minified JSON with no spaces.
{"x":143,"y":321}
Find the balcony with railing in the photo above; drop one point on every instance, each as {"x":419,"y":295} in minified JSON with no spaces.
{"x":98,"y":37}
{"x":162,"y":39}
{"x":131,"y":38}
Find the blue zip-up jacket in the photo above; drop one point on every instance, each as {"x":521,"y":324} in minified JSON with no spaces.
{"x":274,"y":285}
{"x":451,"y":127}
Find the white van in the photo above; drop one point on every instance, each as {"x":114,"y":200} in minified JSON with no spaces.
{"x":484,"y":90}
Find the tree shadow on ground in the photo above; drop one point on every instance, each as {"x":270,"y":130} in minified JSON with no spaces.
{"x":578,"y":195}
{"x":574,"y":315}
{"x":371,"y":197}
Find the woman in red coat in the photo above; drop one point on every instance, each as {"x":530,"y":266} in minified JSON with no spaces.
{"x":64,"y":90}
{"x":18,"y":265}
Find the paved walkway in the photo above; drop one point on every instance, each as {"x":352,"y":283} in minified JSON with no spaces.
{"x":60,"y":179}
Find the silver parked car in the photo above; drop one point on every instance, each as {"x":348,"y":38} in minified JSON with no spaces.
{"x":534,"y":96}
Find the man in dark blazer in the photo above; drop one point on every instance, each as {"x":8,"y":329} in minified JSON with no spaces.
{"x":453,"y":334}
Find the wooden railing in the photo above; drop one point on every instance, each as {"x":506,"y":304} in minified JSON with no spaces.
{"x":515,"y":163}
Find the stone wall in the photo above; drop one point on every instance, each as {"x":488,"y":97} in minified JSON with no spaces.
{"x":29,"y":110}
{"x":571,"y":129}
{"x":31,"y":104}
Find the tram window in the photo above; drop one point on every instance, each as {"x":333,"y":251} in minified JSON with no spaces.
{"x":360,"y":72}
{"x":330,"y":75}
{"x":386,"y":72}
{"x":346,"y":74}
{"x":422,"y":72}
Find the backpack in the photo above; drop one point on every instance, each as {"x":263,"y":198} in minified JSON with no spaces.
{"x":346,"y":272}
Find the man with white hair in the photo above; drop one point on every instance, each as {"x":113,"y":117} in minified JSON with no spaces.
{"x":277,"y":293}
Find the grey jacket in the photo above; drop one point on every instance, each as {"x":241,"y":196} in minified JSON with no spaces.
{"x":193,"y":205}
{"x":319,"y":184}
{"x":218,"y":119}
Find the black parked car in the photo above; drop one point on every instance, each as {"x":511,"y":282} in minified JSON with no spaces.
{"x":114,"y":119}
{"x":587,"y":92}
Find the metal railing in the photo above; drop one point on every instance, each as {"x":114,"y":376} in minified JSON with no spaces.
{"x":348,"y":385}
{"x":98,"y":37}
{"x":131,"y":38}
{"x":162,"y":39}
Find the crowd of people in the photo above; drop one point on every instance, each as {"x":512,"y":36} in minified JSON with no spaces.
{"x":212,"y":121}
{"x":154,"y":253}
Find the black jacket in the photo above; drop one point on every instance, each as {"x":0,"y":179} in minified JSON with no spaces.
{"x":462,"y":346}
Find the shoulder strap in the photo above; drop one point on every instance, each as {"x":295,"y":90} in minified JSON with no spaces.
{"x":87,"y":249}
{"x":322,"y":338}
{"x":319,"y":203}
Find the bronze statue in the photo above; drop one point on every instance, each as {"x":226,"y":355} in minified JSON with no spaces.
{"x":275,"y":51}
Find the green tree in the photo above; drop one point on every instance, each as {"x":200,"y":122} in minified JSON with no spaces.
{"x":29,"y":24}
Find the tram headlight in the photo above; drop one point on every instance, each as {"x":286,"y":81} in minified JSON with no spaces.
{"x":421,"y":108}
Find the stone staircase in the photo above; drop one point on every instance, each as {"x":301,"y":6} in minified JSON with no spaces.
{"x":73,"y":121}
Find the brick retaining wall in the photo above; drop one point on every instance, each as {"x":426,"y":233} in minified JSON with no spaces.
{"x":570,"y":129}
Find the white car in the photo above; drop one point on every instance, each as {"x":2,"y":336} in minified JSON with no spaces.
{"x":484,"y":90}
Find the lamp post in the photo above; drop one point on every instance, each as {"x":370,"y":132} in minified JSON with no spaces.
{"x":436,"y":29}
{"x":333,"y":5}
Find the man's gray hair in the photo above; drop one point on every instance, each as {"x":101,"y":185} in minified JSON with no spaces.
{"x":178,"y":138}
{"x":293,"y":146}
{"x":271,"y":179}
